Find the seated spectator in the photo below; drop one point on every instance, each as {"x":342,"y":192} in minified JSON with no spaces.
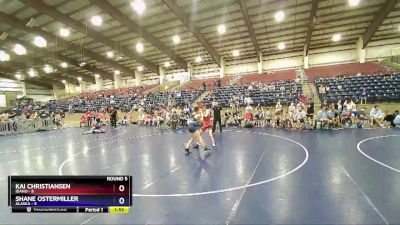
{"x":124,"y":120}
{"x":299,"y":118}
{"x":268,"y":118}
{"x":292,"y":108}
{"x":396,"y":121}
{"x":142,"y":118}
{"x":332,"y":119}
{"x":287,"y":120}
{"x":174,"y":119}
{"x":96,"y":128}
{"x":322,"y":91}
{"x":83,"y":121}
{"x":258,"y":116}
{"x":362,"y":117}
{"x":376,"y":116}
{"x":237,"y":118}
{"x":321,"y":119}
{"x":248,"y":117}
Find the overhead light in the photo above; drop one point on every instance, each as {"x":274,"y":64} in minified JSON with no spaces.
{"x":79,"y":79}
{"x":221,"y":29}
{"x":198,"y":59}
{"x":32,"y":72}
{"x":64,"y":65}
{"x":82,"y":64}
{"x":235,"y":53}
{"x":40,"y":42}
{"x":64,"y":81}
{"x":354,"y":2}
{"x":110,"y":54}
{"x":18,"y":76}
{"x":97,"y":75}
{"x":140,"y":68}
{"x":336,"y":37}
{"x":19,"y":49}
{"x":281,"y":46}
{"x":117,"y":72}
{"x":176,"y":39}
{"x":64,"y":32}
{"x":4,"y":56}
{"x":96,"y":20}
{"x":167,"y":64}
{"x":139,"y":6}
{"x":139,"y":47}
{"x":279,"y":16}
{"x":47,"y":69}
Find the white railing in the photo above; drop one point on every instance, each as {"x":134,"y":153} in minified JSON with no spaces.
{"x":25,"y":126}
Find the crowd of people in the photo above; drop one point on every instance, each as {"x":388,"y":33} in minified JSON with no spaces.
{"x":173,"y":109}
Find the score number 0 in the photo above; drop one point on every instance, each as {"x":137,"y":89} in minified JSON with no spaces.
{"x":121,"y":200}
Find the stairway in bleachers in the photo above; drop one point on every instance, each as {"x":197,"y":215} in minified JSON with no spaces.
{"x":313,"y":90}
{"x":309,"y":89}
{"x":234,"y":80}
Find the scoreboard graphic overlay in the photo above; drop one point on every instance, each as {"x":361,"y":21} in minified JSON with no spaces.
{"x":70,"y":194}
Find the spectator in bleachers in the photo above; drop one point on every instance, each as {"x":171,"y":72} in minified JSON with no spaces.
{"x":321,"y":119}
{"x":322,"y":91}
{"x":248,"y":118}
{"x":324,"y":104}
{"x":362,"y":117}
{"x":364,"y":96}
{"x":300,"y":118}
{"x":396,"y":120}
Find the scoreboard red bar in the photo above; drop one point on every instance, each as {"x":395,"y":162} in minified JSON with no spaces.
{"x":77,"y":188}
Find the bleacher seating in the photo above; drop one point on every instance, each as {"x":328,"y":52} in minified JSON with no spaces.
{"x":378,"y":87}
{"x":197,"y":84}
{"x":160,"y":99}
{"x":284,"y":75}
{"x":265,"y":94}
{"x":94,"y":100}
{"x":347,"y":69}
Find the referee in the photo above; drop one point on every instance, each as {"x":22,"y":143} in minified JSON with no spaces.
{"x":217,"y":116}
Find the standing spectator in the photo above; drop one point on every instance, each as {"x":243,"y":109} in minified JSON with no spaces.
{"x":217,"y":116}
{"x":113,"y":117}
{"x":310,"y":110}
{"x":364,"y":96}
{"x":322,"y":91}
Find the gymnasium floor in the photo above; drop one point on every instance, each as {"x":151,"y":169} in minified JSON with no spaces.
{"x":258,"y":176}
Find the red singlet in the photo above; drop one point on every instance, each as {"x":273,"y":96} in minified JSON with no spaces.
{"x":206,"y":122}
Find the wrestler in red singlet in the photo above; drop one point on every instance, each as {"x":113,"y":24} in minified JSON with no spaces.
{"x":206,"y":121}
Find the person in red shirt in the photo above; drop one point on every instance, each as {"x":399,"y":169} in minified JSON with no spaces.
{"x":207,"y":124}
{"x":82,"y":121}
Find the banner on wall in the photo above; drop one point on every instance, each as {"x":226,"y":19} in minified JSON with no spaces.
{"x":3,"y":102}
{"x":182,"y":77}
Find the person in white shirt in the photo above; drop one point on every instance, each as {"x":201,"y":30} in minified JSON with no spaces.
{"x":396,"y":121}
{"x":292,"y":108}
{"x":376,"y":116}
{"x":288,"y":120}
